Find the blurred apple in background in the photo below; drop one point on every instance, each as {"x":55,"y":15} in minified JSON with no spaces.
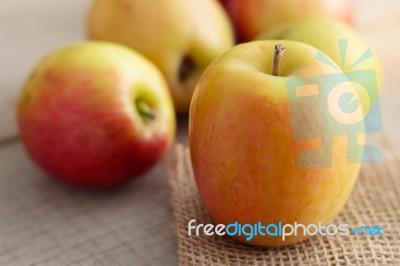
{"x":251,"y":17}
{"x":244,"y":156}
{"x":325,"y":35}
{"x":96,"y":114}
{"x":181,"y":37}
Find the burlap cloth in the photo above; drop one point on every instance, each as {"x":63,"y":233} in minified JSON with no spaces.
{"x":375,"y":200}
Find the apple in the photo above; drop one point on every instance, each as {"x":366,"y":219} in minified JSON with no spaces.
{"x":181,"y":37}
{"x":96,"y":114}
{"x":243,"y":151}
{"x":251,"y":17}
{"x":325,"y":35}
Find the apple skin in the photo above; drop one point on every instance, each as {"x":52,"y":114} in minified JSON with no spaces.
{"x":324,"y":34}
{"x":244,"y":157}
{"x":181,"y":37}
{"x":78,"y":120}
{"x":251,"y":17}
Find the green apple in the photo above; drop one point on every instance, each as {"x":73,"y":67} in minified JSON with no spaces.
{"x":181,"y":37}
{"x":251,"y":17}
{"x":325,"y":34}
{"x":243,"y":151}
{"x":96,"y":114}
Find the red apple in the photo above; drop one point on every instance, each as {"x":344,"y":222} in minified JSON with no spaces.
{"x":96,"y":115}
{"x":246,"y":160}
{"x":251,"y":17}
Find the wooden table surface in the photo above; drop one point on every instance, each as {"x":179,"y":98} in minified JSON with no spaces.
{"x":43,"y":222}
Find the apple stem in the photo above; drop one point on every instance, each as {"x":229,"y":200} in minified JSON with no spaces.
{"x":279,"y":49}
{"x":144,"y":110}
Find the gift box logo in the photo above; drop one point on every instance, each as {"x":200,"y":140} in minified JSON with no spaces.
{"x":344,"y":103}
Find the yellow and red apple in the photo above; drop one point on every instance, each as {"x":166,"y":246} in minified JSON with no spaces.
{"x":96,"y":114}
{"x":181,"y":37}
{"x":244,"y":155}
{"x":251,"y":17}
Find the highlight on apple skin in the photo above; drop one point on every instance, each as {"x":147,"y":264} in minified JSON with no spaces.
{"x":244,"y":156}
{"x":180,"y":37}
{"x":251,"y":17}
{"x":96,"y":115}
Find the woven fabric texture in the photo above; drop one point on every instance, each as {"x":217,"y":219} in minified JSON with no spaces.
{"x":375,"y":200}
